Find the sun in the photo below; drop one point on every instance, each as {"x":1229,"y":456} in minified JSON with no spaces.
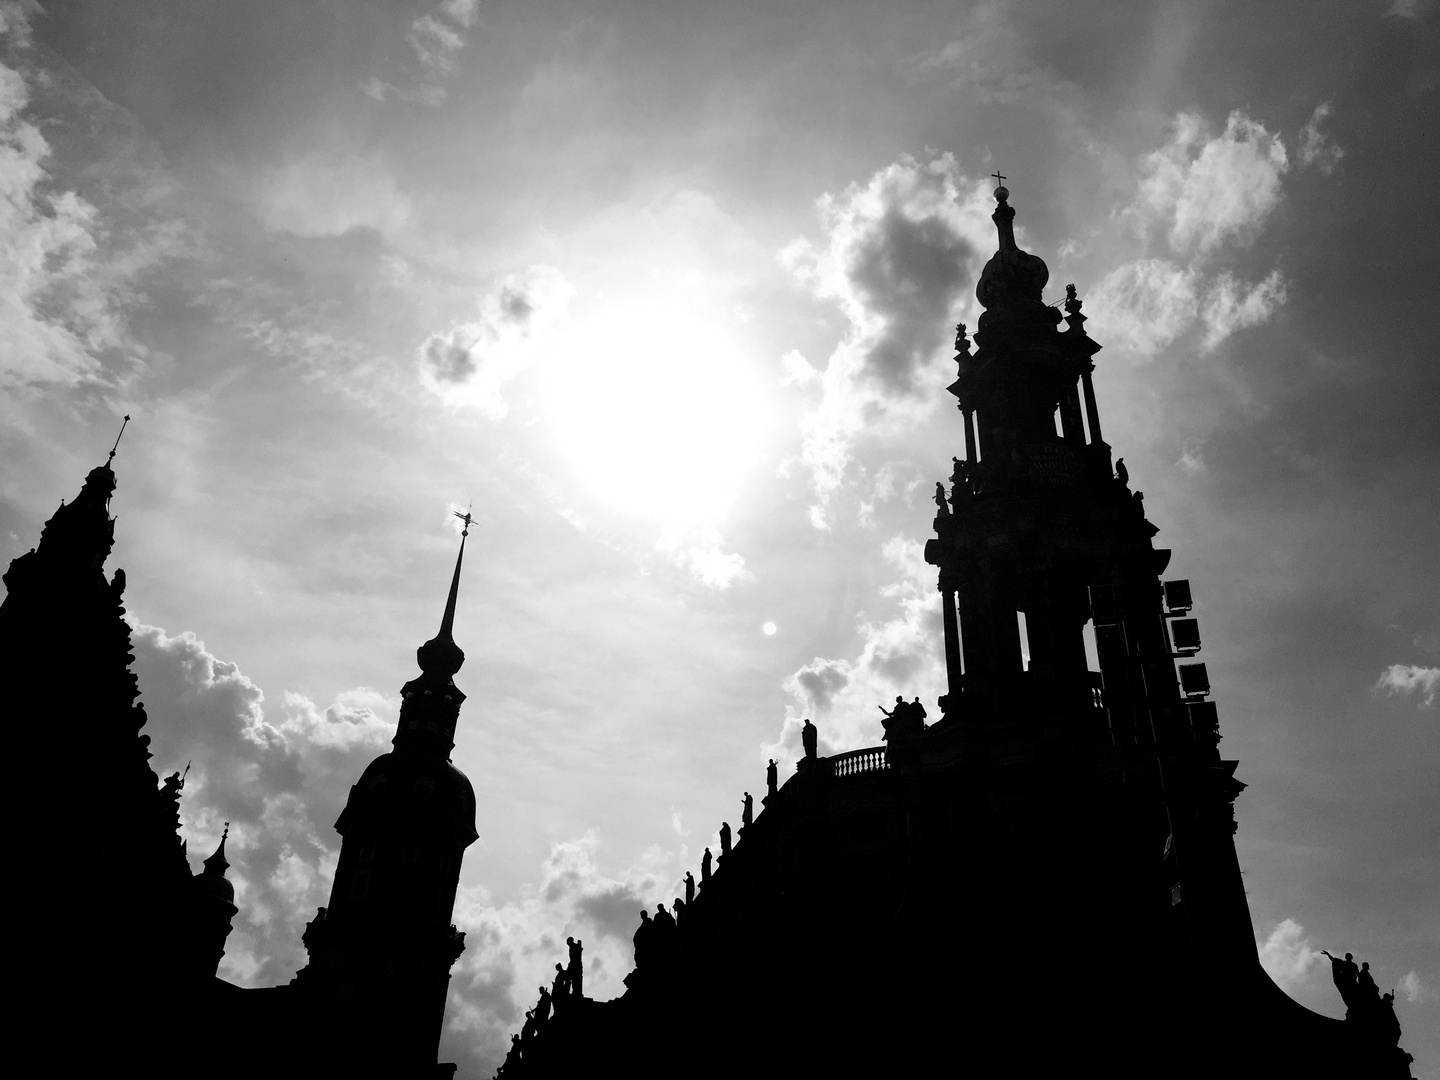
{"x":659,"y":412}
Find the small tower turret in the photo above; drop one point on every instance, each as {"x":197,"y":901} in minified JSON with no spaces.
{"x":212,"y":906}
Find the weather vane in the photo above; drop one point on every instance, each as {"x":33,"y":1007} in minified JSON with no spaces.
{"x":117,"y":438}
{"x":466,"y":518}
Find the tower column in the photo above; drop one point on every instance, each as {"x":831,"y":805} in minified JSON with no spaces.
{"x":1070,"y":417}
{"x":954,"y":680}
{"x":1092,"y":413}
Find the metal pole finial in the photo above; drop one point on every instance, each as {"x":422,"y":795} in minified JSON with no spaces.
{"x":117,"y":439}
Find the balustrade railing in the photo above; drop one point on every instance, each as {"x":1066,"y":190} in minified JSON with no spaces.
{"x":869,"y":760}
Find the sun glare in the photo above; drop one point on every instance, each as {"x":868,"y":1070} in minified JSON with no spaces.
{"x":659,"y":415}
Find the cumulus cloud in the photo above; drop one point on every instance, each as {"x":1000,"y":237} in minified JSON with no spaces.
{"x":1405,"y":679}
{"x":1208,"y":189}
{"x":1315,"y":148}
{"x":898,"y":254}
{"x":279,"y":777}
{"x":1414,"y":990}
{"x":469,"y":363}
{"x":1287,"y":955}
{"x":797,"y":370}
{"x":899,"y":655}
{"x":513,"y":947}
{"x":700,"y":551}
{"x":320,"y":196}
{"x":1199,"y":195}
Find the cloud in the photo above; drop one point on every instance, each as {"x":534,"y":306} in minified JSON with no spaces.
{"x":60,"y":309}
{"x":990,"y":61}
{"x":1414,"y":990}
{"x":1211,"y":189}
{"x":280,"y":780}
{"x":1202,"y":194}
{"x":1315,"y":148}
{"x":280,"y":777}
{"x":1230,"y":306}
{"x":798,"y":370}
{"x":1410,"y":679}
{"x":1287,"y":954}
{"x":513,"y":947}
{"x":436,"y":40}
{"x":1144,"y":305}
{"x":899,"y":655}
{"x":469,"y":363}
{"x":897,"y":256}
{"x":699,"y":551}
{"x":321,"y":196}
{"x":1409,"y":9}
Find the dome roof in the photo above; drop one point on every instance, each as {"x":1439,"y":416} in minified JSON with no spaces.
{"x":1012,"y":278}
{"x":416,"y":790}
{"x":212,"y":881}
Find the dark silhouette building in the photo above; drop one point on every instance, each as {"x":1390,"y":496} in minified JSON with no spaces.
{"x":104,"y":877}
{"x":1043,"y":882}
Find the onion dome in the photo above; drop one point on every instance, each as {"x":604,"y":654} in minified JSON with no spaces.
{"x":1013,"y":279}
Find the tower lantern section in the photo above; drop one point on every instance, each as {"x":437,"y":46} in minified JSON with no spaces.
{"x":1034,"y":516}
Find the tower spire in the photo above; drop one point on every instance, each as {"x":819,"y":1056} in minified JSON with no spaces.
{"x":447,"y":622}
{"x":111,"y":458}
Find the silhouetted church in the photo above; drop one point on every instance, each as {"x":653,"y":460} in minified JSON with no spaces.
{"x":1041,"y":883}
{"x":101,"y":883}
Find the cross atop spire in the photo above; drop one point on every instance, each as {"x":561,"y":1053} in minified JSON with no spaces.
{"x":1000,"y":178}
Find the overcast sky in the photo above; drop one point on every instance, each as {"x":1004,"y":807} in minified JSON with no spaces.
{"x":666,"y":290}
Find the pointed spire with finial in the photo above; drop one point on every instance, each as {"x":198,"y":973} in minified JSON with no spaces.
{"x":430,"y":704}
{"x":100,"y":482}
{"x":440,"y":655}
{"x":217,"y":864}
{"x":111,"y":458}
{"x":212,"y":881}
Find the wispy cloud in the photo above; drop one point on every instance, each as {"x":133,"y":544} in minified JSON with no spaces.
{"x":1315,"y":148}
{"x":436,"y":40}
{"x":59,"y":309}
{"x":317,"y":195}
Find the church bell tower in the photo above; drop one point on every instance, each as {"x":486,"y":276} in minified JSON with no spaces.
{"x":1040,"y":543}
{"x":381,"y":952}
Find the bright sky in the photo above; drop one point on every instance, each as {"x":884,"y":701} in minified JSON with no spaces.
{"x":667,"y":292}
